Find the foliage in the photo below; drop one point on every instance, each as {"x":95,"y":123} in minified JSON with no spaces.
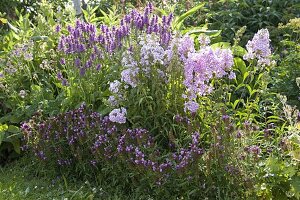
{"x":288,"y":70}
{"x":26,"y":65}
{"x":253,"y":14}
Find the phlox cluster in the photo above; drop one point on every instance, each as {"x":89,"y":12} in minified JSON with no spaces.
{"x":259,"y":48}
{"x":200,"y":67}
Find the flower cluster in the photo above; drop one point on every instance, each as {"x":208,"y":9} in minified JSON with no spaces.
{"x":84,"y":37}
{"x":200,"y":67}
{"x":23,"y":51}
{"x":259,"y":48}
{"x":85,"y":136}
{"x":151,"y":49}
{"x":118,"y":115}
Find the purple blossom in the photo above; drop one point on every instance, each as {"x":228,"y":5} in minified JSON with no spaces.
{"x":129,"y":76}
{"x":203,"y":40}
{"x":113,"y":101}
{"x":191,"y":106}
{"x":231,"y":75}
{"x":114,"y":86}
{"x":77,"y":63}
{"x":62,"y":61}
{"x":118,"y":115}
{"x":200,"y":67}
{"x":59,"y":76}
{"x":259,"y":48}
{"x":64,"y":82}
{"x":57,"y":28}
{"x":151,"y":51}
{"x":185,"y":46}
{"x":28,"y":56}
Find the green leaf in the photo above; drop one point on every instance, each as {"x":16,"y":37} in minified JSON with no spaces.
{"x":3,"y":128}
{"x":13,"y":129}
{"x":198,"y":30}
{"x":235,"y":103}
{"x":221,"y":45}
{"x":238,"y":51}
{"x":162,"y":11}
{"x":3,"y":20}
{"x":38,"y":38}
{"x":2,"y":134}
{"x":240,"y":65}
{"x":295,"y":182}
{"x":245,"y":75}
{"x":13,"y":28}
{"x":185,"y":15}
{"x":17,"y":146}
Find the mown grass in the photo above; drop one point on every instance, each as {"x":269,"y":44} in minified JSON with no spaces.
{"x":19,"y":180}
{"x":25,"y":181}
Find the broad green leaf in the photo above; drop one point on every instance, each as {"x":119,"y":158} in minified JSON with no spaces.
{"x":240,"y":65}
{"x":162,"y":11}
{"x":13,"y":28}
{"x":38,"y":38}
{"x":3,"y":20}
{"x":221,"y":45}
{"x":295,"y":182}
{"x":235,"y":103}
{"x":16,"y":144}
{"x":198,"y":30}
{"x":3,"y":128}
{"x":245,"y":75}
{"x":13,"y":129}
{"x":238,"y":51}
{"x":182,"y":17}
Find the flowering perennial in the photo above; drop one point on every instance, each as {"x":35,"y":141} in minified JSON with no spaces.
{"x":200,"y":67}
{"x":66,"y":133}
{"x":259,"y":47}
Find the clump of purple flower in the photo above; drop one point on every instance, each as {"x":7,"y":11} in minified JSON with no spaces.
{"x":259,"y":48}
{"x":199,"y":68}
{"x":81,"y":135}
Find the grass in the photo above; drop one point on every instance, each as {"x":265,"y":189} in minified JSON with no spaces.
{"x":24,"y":180}
{"x":20,"y":180}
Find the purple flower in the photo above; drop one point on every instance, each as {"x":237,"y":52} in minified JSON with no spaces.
{"x":62,"y":61}
{"x":185,"y":46}
{"x":59,"y":76}
{"x":254,"y":149}
{"x":191,"y":106}
{"x":77,"y":62}
{"x":203,"y":40}
{"x":113,"y":101}
{"x":28,"y":56}
{"x":200,"y":67}
{"x":118,"y":115}
{"x":57,"y":28}
{"x":129,"y":76}
{"x":231,"y":75}
{"x":114,"y":86}
{"x":82,"y":71}
{"x":259,"y":47}
{"x":64,"y":82}
{"x":98,"y":67}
